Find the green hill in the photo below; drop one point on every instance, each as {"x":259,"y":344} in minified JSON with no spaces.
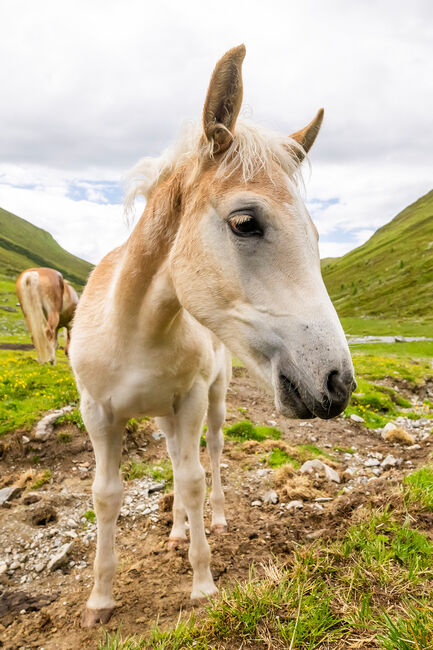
{"x":23,"y":245}
{"x":391,"y":275}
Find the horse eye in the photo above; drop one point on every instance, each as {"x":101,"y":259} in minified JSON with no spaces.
{"x":245,"y":226}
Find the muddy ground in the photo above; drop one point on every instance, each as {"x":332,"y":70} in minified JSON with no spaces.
{"x":40,"y":607}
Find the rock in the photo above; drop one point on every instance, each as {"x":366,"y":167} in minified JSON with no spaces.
{"x":389,"y":426}
{"x":316,"y":465}
{"x":316,"y":534}
{"x":257,"y":503}
{"x":272,"y":423}
{"x":356,"y":418}
{"x":157,"y":487}
{"x":371,"y":462}
{"x":40,"y":567}
{"x":8,"y":493}
{"x":25,"y":440}
{"x":60,"y":558}
{"x":3,"y":568}
{"x":294,"y":505}
{"x":390,"y":461}
{"x":270,"y":497}
{"x":158,"y":435}
{"x":45,"y":427}
{"x":399,"y":435}
{"x":413,"y":447}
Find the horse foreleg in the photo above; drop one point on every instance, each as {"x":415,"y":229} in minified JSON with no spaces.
{"x":107,"y":499}
{"x":189,"y":477}
{"x":214,"y":445}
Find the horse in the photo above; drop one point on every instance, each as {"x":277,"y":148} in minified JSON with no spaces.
{"x":48,"y":303}
{"x":224,"y":257}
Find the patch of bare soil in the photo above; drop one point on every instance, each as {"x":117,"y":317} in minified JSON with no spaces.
{"x":47,"y":545}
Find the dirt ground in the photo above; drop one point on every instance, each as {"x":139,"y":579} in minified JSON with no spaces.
{"x":41,"y":607}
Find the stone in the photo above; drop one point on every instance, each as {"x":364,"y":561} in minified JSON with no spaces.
{"x":316,"y":465}
{"x":371,"y":462}
{"x":25,"y":440}
{"x":60,"y":558}
{"x":294,"y":505}
{"x":158,"y":435}
{"x":45,"y":427}
{"x":40,"y":567}
{"x":3,"y":568}
{"x":8,"y":493}
{"x":356,"y":418}
{"x":390,"y":461}
{"x":156,"y":487}
{"x":270,"y":497}
{"x":316,"y":534}
{"x":257,"y":503}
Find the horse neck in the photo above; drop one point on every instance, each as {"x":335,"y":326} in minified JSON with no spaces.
{"x":144,"y":292}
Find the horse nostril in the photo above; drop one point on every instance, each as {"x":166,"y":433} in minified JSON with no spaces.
{"x":333,"y":383}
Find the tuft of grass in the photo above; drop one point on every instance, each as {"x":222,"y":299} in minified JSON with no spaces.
{"x":46,"y":476}
{"x":90,"y":516}
{"x":410,"y":631}
{"x":246,"y":430}
{"x":278,"y":457}
{"x":308,"y":451}
{"x":63,"y":436}
{"x":73,"y":417}
{"x":162,"y":471}
{"x":419,"y":487}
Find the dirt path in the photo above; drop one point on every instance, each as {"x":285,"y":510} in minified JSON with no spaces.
{"x":41,"y":607}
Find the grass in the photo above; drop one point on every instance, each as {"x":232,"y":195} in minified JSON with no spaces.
{"x":72,"y":417}
{"x":42,"y":480}
{"x":90,"y":516}
{"x":419,"y":487}
{"x":373,"y":584}
{"x":278,"y":457}
{"x":246,"y":430}
{"x":161,"y":471}
{"x":27,"y":389}
{"x":390,"y":277}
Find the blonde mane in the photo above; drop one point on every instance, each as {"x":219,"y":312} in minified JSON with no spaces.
{"x":253,"y":150}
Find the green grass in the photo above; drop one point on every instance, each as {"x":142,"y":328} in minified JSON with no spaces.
{"x":73,"y":417}
{"x":161,"y":471}
{"x":278,"y":457}
{"x":363,"y":326}
{"x":27,"y":389}
{"x":390,"y":277}
{"x":246,"y":430}
{"x":354,"y":588}
{"x":45,"y":478}
{"x":419,"y":487}
{"x":90,"y":516}
{"x":23,"y":245}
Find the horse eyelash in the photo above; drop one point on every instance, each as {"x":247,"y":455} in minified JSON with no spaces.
{"x":240,"y":218}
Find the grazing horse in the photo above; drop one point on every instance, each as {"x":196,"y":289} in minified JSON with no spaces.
{"x":225,"y":254}
{"x":48,"y":303}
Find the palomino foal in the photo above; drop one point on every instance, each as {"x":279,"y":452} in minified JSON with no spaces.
{"x":224,"y":254}
{"x":48,"y":303}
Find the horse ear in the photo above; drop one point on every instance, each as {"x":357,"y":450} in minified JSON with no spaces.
{"x":306,"y":136}
{"x":224,"y":99}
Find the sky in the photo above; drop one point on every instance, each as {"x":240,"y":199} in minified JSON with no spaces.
{"x":88,"y":88}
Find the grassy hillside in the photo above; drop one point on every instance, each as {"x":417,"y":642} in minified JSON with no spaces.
{"x":391,"y":275}
{"x":23,"y":245}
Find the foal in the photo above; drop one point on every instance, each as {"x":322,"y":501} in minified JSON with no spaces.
{"x":224,"y":254}
{"x":48,"y":303}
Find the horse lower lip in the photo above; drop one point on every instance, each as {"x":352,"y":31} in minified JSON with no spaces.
{"x":291,"y":395}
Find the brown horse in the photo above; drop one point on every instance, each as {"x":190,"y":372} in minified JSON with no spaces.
{"x":48,"y":303}
{"x":225,"y":254}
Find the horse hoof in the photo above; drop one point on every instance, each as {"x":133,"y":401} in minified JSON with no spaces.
{"x":92,"y":617}
{"x":176,"y":542}
{"x":219,"y":529}
{"x":205,"y":593}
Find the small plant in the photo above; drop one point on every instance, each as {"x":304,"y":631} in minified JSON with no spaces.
{"x":246,"y":430}
{"x":63,"y":436}
{"x":159,"y":472}
{"x":46,"y":476}
{"x":419,"y":487}
{"x":90,"y":516}
{"x":278,"y":457}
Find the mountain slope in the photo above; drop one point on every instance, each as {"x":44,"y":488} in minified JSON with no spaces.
{"x":23,"y":245}
{"x":391,"y":275}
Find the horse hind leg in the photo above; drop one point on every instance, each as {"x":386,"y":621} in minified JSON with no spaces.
{"x":107,"y":499}
{"x":177,"y":536}
{"x":214,"y":445}
{"x":51,"y":333}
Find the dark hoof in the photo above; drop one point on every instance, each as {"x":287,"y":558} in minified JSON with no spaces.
{"x":92,"y":617}
{"x":219,"y":529}
{"x":176,"y":542}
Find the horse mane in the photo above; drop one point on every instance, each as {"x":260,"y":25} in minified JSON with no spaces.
{"x":253,"y":150}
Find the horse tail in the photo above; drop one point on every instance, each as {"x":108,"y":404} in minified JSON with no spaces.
{"x":31,"y":304}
